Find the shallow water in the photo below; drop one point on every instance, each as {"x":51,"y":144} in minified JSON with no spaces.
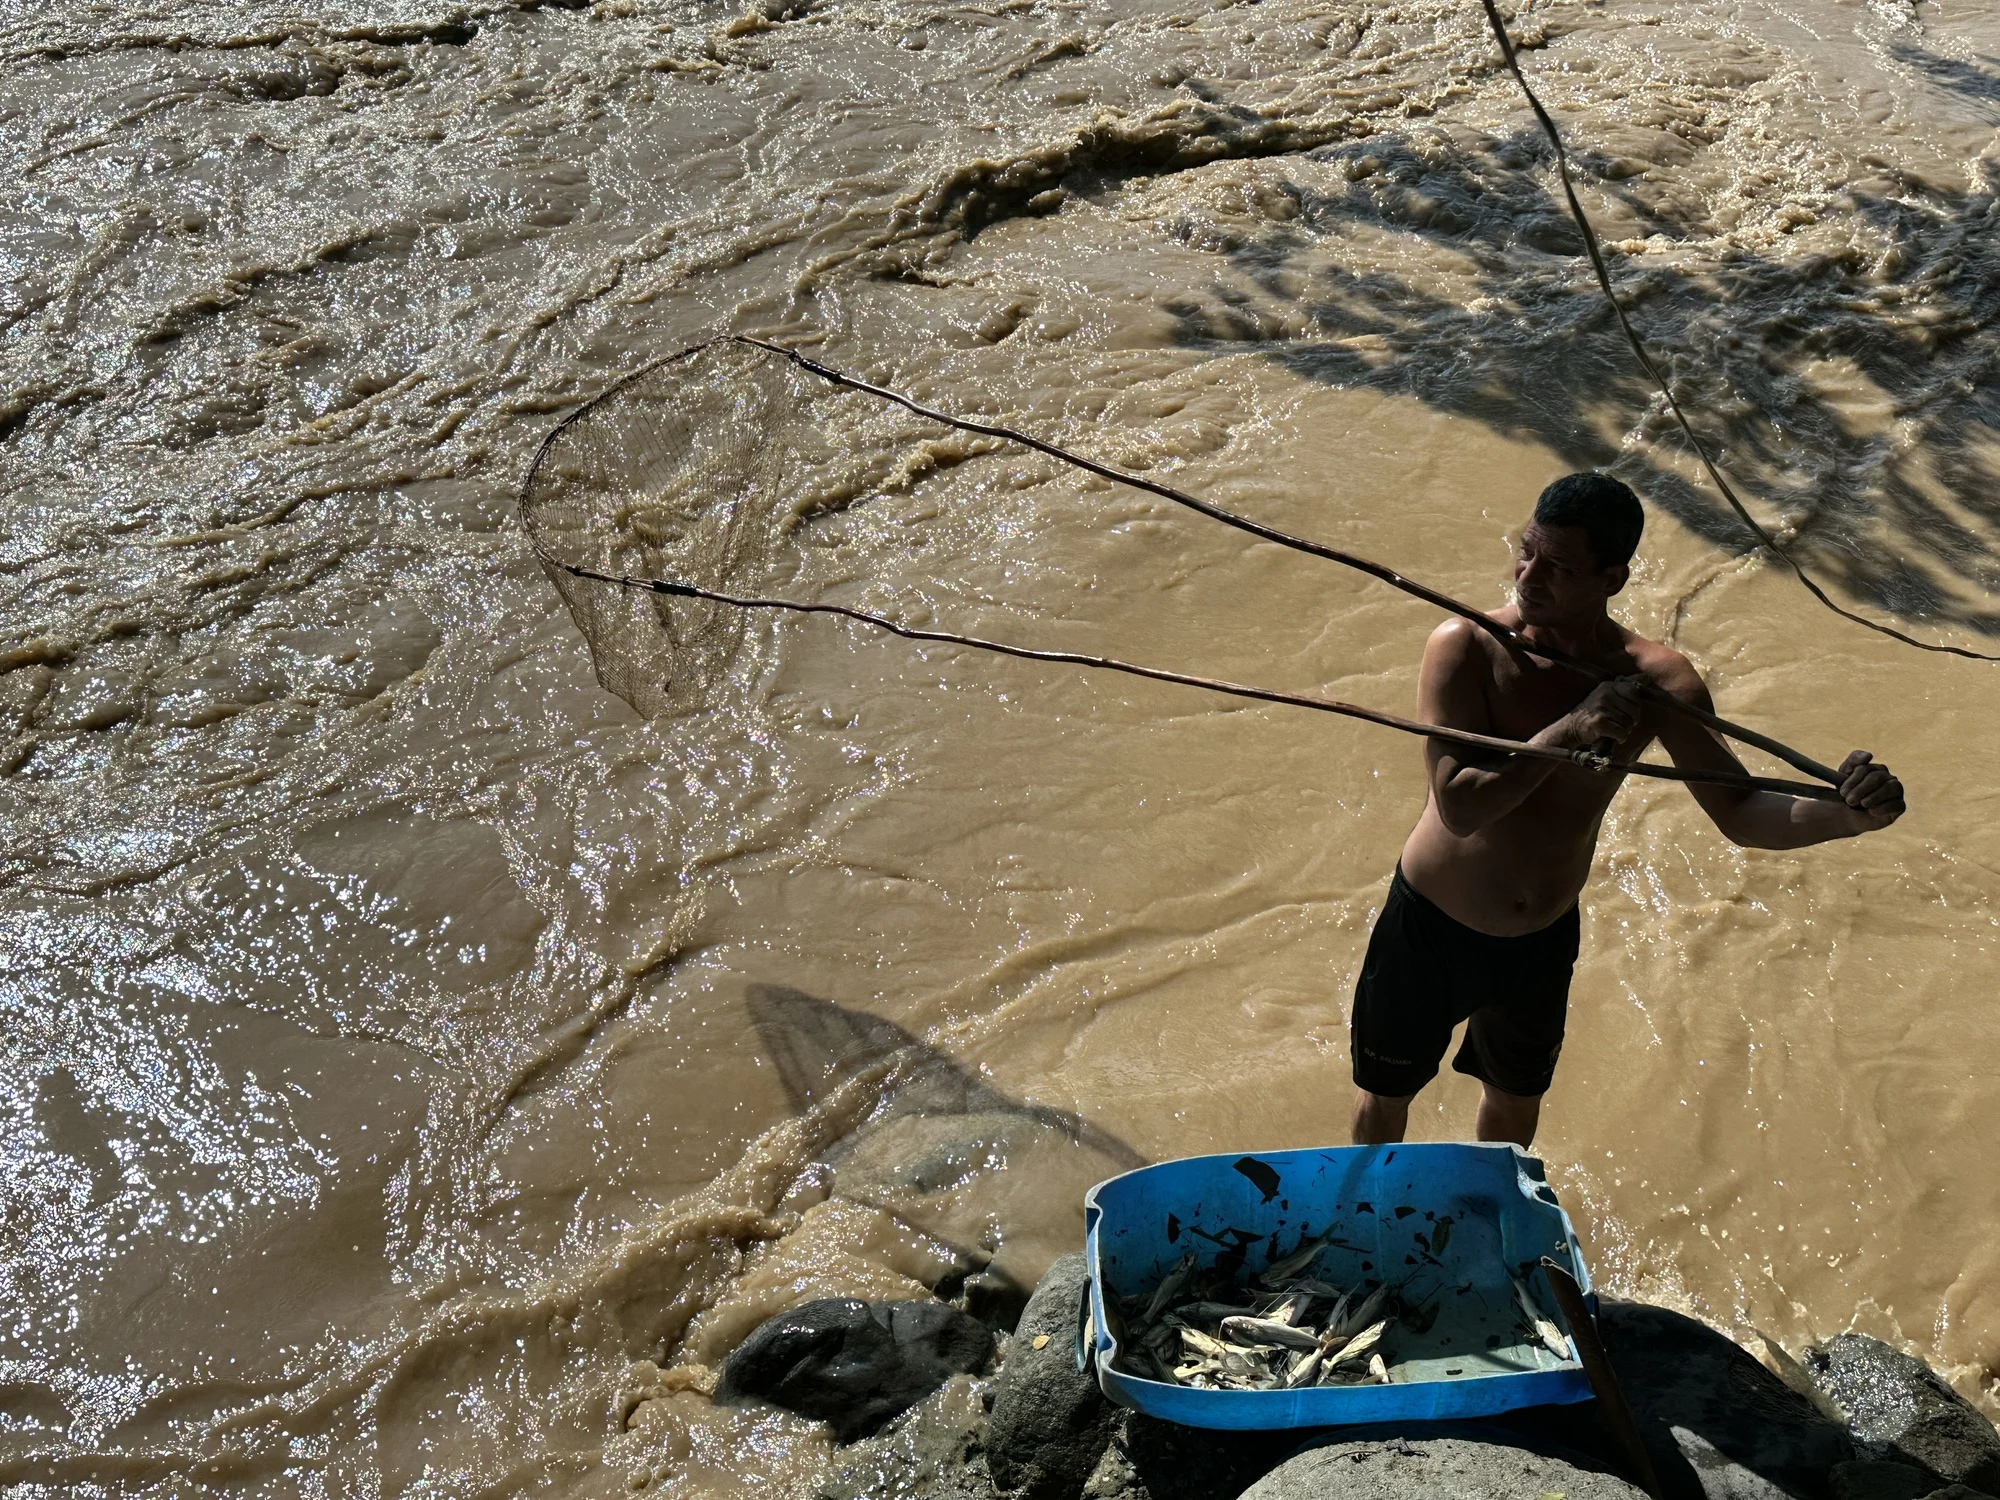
{"x":417,"y":1063}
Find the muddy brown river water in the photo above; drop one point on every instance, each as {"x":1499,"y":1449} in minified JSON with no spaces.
{"x":418,"y":1065}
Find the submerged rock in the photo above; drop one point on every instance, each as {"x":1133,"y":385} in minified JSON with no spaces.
{"x":1900,"y":1406}
{"x":853,"y":1364}
{"x":1716,"y":1424}
{"x":1433,"y":1469}
{"x":1050,"y":1423}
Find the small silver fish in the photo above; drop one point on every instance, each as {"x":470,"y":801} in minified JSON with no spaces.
{"x":1203,"y":1344}
{"x":1369,"y":1310}
{"x":1313,"y":1287}
{"x":1170,"y":1286}
{"x":1304,"y":1368}
{"x":1267,"y":1331}
{"x":1295,"y":1263}
{"x":1377,"y":1369}
{"x":1544,"y":1326}
{"x":1362,"y":1343}
{"x":1337,"y":1315}
{"x":1243,"y":1364}
{"x":1205,"y":1312}
{"x":1294,"y":1311}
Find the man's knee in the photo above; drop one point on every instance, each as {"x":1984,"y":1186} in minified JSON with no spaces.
{"x":1508,"y":1117}
{"x":1380,"y":1119}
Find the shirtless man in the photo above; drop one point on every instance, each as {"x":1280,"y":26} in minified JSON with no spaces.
{"x":1481,"y":920}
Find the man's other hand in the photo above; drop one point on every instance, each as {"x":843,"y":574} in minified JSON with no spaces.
{"x":1872,"y":795}
{"x":1611,"y":712}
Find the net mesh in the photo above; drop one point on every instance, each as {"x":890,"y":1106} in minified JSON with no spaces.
{"x":709,"y":468}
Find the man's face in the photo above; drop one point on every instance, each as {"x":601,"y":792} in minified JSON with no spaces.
{"x":1557,"y":581}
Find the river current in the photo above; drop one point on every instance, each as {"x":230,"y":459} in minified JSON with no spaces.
{"x":419,"y":1068}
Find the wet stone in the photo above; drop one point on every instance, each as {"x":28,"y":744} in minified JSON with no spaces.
{"x":854,"y":1365}
{"x":1906,"y":1412}
{"x":930,"y":1452}
{"x":1720,"y":1477}
{"x":1716,"y":1424}
{"x":991,"y":1295}
{"x":1439,"y":1469}
{"x":1049,"y":1424}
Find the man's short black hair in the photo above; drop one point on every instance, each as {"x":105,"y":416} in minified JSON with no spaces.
{"x":1607,"y":511}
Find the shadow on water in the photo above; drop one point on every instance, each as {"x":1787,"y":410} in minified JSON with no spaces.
{"x":997,"y":1180}
{"x":1975,"y":83}
{"x":1848,"y":384}
{"x":817,"y":1045}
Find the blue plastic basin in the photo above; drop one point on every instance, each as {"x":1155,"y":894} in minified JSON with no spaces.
{"x":1383,"y":1206}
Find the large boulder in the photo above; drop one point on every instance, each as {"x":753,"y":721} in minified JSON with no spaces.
{"x":1049,"y":1424}
{"x":854,"y":1364}
{"x":1716,"y":1424}
{"x":1433,"y":1469}
{"x":1906,"y":1412}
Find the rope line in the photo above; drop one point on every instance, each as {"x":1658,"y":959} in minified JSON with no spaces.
{"x":1764,"y":538}
{"x":1513,"y":640}
{"x":1589,"y":759}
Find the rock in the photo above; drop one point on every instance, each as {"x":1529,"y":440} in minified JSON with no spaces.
{"x":930,"y":1452}
{"x":1898,"y":1405}
{"x":1716,"y":1423}
{"x":854,"y":1364}
{"x":1433,"y":1469}
{"x":1164,"y":1461}
{"x":989,"y":1293}
{"x":1050,"y":1424}
{"x":1719,"y":1476}
{"x":1867,"y":1479}
{"x":1114,"y":1478}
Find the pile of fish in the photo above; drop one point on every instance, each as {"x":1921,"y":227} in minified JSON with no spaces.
{"x":1281,"y":1329}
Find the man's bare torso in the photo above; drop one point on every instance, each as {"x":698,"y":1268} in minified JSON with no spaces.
{"x":1525,"y":869}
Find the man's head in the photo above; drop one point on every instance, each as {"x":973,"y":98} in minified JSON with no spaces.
{"x":1574,"y":553}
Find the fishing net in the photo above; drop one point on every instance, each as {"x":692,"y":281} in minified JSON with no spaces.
{"x":710,"y":468}
{"x":678,"y":506}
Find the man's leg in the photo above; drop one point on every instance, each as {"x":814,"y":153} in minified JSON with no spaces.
{"x":1518,"y":1039}
{"x":1380,"y":1119}
{"x":1502,"y":1116}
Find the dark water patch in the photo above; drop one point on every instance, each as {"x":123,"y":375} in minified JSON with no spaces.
{"x":1895,"y":504}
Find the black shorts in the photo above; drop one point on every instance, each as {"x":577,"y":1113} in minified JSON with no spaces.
{"x":1425,"y":972}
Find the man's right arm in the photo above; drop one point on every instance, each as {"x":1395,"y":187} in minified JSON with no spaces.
{"x":1473,"y":790}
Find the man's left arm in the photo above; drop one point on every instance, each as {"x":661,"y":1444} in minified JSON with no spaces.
{"x":1870,"y":796}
